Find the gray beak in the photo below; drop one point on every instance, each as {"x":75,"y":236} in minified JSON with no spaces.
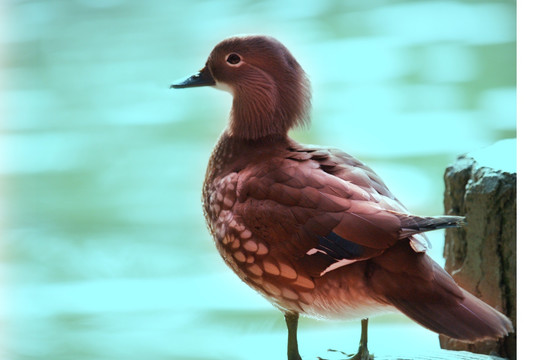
{"x":203,"y":78}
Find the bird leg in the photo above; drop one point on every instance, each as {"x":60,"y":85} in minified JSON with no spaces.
{"x":292,"y":324}
{"x":363,"y":352}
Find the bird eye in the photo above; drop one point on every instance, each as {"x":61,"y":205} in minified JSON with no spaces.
{"x":233,"y":59}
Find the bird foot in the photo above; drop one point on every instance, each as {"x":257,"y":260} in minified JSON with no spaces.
{"x":362,"y":354}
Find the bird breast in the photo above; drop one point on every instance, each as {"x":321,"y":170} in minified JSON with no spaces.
{"x":336,"y":295}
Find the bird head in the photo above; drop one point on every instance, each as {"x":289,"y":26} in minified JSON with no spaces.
{"x":271,"y":93}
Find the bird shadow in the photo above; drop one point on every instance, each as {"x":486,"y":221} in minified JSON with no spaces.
{"x":348,"y":356}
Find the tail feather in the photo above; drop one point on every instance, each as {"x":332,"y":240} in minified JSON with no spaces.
{"x":418,"y":287}
{"x":471,"y":319}
{"x":411,"y":224}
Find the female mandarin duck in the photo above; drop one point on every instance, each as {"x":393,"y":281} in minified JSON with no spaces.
{"x":312,"y":229}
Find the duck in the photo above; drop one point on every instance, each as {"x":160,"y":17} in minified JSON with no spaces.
{"x":312,"y":229}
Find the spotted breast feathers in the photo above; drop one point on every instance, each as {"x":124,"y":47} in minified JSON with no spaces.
{"x":320,"y":207}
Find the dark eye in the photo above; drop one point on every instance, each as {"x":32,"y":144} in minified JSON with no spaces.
{"x":233,"y":59}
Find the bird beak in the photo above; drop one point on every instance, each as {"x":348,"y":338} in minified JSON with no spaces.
{"x":203,"y":78}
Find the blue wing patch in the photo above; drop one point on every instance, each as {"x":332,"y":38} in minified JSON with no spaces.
{"x":337,"y":247}
{"x":332,"y":252}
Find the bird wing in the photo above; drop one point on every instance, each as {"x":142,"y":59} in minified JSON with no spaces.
{"x":301,"y":206}
{"x":340,"y":164}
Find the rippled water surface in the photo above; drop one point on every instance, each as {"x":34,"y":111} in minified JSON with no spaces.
{"x":104,"y":252}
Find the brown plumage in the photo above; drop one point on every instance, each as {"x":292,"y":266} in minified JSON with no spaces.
{"x":312,"y":229}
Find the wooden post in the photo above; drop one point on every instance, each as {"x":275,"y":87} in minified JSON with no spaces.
{"x":481,"y":256}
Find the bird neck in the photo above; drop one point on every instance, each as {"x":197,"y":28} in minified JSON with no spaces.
{"x":255,"y":112}
{"x":263,"y":108}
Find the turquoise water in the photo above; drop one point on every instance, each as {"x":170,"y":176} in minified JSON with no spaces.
{"x":104,"y":252}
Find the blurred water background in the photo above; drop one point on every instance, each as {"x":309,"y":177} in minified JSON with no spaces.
{"x":104,"y":253}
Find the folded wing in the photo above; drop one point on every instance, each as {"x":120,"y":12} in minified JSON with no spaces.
{"x":326,"y":209}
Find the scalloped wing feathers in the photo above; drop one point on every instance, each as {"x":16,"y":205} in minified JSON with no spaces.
{"x":311,"y":194}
